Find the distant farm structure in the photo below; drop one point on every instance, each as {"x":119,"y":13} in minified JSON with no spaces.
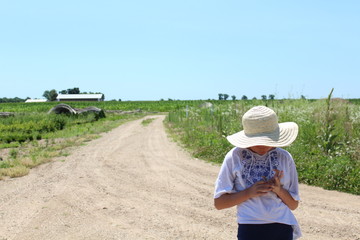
{"x":35,"y":100}
{"x":80,"y":97}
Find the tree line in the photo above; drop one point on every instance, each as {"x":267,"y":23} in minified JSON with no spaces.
{"x":15,"y":99}
{"x":224,"y":96}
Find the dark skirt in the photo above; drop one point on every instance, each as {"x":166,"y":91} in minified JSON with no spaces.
{"x":271,"y":231}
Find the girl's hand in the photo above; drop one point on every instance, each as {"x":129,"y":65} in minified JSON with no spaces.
{"x":259,"y":188}
{"x":275,"y":181}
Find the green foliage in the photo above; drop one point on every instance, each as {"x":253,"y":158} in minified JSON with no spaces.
{"x":146,"y":122}
{"x":70,"y":91}
{"x":355,"y":101}
{"x":50,"y":95}
{"x":28,"y":127}
{"x":326,"y":152}
{"x":150,"y":106}
{"x":11,"y":100}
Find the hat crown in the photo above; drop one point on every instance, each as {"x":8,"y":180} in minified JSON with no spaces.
{"x":260,"y":120}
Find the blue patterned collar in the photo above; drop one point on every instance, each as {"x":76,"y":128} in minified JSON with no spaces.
{"x":247,"y":153}
{"x":255,"y":166}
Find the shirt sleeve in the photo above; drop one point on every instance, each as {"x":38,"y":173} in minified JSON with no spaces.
{"x":225,"y":181}
{"x":294,"y":182}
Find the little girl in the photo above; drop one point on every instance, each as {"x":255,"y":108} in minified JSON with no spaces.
{"x":260,"y":178}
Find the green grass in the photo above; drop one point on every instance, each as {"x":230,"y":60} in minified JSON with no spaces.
{"x":327,"y":150}
{"x":147,"y":121}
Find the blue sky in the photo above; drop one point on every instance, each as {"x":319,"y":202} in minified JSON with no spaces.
{"x":188,"y":49}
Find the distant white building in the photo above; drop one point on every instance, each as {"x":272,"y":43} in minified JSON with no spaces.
{"x":36,"y":100}
{"x":80,"y":97}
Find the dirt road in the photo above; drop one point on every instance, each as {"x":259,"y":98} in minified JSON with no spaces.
{"x":134,"y":183}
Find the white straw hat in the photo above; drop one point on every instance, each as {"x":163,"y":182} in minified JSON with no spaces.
{"x":261,"y":128}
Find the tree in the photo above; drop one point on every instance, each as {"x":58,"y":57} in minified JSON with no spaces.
{"x":73,"y":91}
{"x":244,"y":97}
{"x":233,"y":97}
{"x":221,"y":96}
{"x":271,"y":96}
{"x":263,"y":97}
{"x":226,"y":96}
{"x":50,"y":95}
{"x":303,"y":97}
{"x":70,"y":91}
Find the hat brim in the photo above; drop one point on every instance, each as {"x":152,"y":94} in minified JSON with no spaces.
{"x":282,"y":137}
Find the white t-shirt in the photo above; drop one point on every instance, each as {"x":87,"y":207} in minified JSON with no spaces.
{"x":242,"y":168}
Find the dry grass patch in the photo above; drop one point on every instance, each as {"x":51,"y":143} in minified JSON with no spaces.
{"x":16,"y":171}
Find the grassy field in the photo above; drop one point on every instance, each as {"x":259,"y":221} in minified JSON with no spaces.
{"x":156,"y":106}
{"x":327,"y":151}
